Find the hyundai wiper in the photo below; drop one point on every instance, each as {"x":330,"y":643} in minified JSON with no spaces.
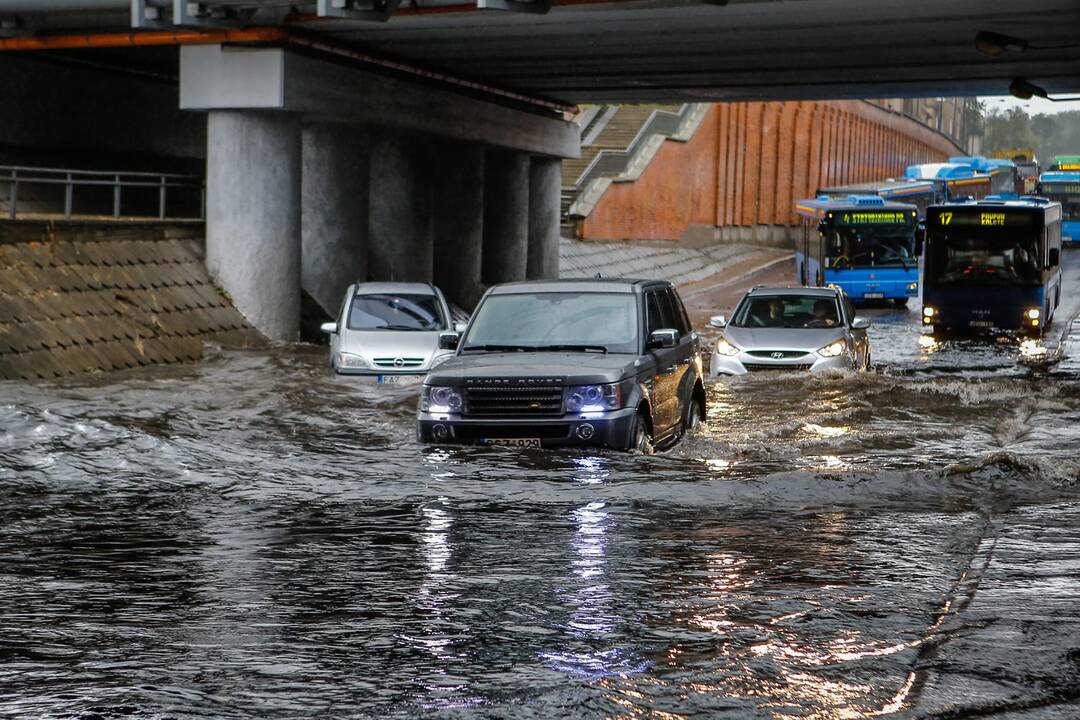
{"x":501,"y":348}
{"x":573,"y":348}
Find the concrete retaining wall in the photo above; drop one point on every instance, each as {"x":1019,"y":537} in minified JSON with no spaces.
{"x":86,"y":298}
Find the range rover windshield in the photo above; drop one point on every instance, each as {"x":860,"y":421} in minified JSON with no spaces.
{"x":555,"y":322}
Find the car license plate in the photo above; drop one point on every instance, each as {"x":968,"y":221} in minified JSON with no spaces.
{"x":389,"y":379}
{"x":512,"y":442}
{"x":874,"y":295}
{"x":980,"y":323}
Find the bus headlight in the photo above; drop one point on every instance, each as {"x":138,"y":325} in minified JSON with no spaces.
{"x":928,"y":313}
{"x":1033,"y":314}
{"x":913,"y":286}
{"x":835,"y":349}
{"x":723,"y":347}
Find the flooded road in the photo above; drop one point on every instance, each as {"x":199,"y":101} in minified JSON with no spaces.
{"x":252,"y":538}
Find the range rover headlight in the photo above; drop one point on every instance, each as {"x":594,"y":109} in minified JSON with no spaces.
{"x":348,"y":360}
{"x":440,"y":399}
{"x":725,"y":348}
{"x":593,"y":398}
{"x":835,"y":349}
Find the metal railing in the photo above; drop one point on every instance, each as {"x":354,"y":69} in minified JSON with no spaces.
{"x":193,"y":199}
{"x":615,"y":162}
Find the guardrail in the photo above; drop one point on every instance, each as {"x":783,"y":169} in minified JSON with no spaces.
{"x":191,"y":201}
{"x":615,"y":162}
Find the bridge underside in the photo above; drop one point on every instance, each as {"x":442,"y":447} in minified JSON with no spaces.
{"x":677,"y":50}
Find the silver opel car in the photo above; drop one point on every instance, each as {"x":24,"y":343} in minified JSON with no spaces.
{"x":391,"y":330}
{"x":797,"y":328}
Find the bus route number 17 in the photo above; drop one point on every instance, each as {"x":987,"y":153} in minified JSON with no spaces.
{"x":946,"y":218}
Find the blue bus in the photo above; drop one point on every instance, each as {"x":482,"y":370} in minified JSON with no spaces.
{"x":952,"y":180}
{"x":863,"y":244}
{"x":992,"y":265}
{"x":920,"y":193}
{"x":1004,"y":175}
{"x":1061,"y":183}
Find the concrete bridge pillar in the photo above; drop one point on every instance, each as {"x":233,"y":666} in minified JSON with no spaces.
{"x":400,"y":241}
{"x":545,"y":188}
{"x":506,"y":216}
{"x":458,"y":204}
{"x":334,"y":211}
{"x":253,"y":172}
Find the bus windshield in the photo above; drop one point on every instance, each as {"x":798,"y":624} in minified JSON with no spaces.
{"x":1070,"y":202}
{"x":863,"y":246}
{"x":982,"y":256}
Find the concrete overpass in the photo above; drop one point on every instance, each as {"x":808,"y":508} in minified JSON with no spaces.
{"x":422,"y":140}
{"x":645,"y":50}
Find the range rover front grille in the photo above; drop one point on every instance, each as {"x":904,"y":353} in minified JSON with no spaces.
{"x":513,"y":398}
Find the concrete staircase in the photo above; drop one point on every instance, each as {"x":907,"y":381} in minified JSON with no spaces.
{"x":618,"y":131}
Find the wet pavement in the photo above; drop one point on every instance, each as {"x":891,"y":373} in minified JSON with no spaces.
{"x":249,"y":537}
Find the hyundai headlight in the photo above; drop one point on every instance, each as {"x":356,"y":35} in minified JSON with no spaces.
{"x":725,"y":348}
{"x":835,"y":349}
{"x":348,"y":360}
{"x":593,"y":398}
{"x":440,"y":399}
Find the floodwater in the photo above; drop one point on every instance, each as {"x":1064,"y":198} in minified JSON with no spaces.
{"x":252,"y":538}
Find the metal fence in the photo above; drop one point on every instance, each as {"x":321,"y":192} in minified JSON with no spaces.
{"x":86,"y":193}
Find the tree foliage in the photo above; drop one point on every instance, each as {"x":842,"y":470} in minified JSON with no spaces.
{"x":1050,"y":135}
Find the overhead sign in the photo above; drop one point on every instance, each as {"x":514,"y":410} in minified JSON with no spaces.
{"x":876,"y":217}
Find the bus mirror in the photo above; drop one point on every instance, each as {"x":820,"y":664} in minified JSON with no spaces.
{"x":920,"y":238}
{"x":1055,"y":257}
{"x":822,"y":227}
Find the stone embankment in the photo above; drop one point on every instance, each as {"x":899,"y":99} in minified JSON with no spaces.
{"x":84,"y":298}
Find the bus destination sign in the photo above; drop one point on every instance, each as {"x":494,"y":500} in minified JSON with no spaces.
{"x":876,"y":217}
{"x":1062,"y":188}
{"x":984,"y":218}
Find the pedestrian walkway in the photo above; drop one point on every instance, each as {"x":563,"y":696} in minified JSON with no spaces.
{"x":682,"y":266}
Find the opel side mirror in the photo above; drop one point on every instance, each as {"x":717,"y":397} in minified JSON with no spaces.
{"x":663,"y":338}
{"x":448,"y":341}
{"x":718,"y":321}
{"x":329,"y":328}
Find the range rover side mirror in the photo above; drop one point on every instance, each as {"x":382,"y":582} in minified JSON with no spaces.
{"x":663,"y":338}
{"x":329,"y":328}
{"x":460,"y":327}
{"x":448,"y":341}
{"x":860,"y":323}
{"x":718,"y":321}
{"x":1055,"y":257}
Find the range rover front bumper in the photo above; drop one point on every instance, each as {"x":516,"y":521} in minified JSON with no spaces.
{"x":611,"y":429}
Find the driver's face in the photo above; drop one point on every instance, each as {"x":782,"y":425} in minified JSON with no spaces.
{"x":776,"y":308}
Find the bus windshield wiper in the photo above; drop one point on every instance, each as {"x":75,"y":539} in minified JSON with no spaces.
{"x":500,"y":348}
{"x":574,"y":348}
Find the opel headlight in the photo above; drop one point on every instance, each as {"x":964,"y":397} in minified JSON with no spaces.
{"x":440,"y":399}
{"x":1033,"y":314}
{"x":593,"y":398}
{"x":348,"y":360}
{"x":725,"y":348}
{"x":835,"y":349}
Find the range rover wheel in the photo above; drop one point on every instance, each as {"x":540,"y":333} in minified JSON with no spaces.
{"x":692,"y":421}
{"x":642,"y":440}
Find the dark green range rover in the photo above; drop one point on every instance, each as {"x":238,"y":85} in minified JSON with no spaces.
{"x":604,"y":362}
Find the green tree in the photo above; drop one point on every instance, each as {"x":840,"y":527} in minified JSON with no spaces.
{"x":1009,"y":129}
